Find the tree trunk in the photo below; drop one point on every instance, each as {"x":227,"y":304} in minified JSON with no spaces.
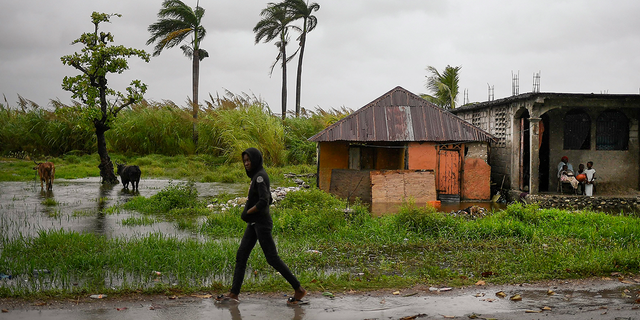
{"x":303,"y":39}
{"x":284,"y":80}
{"x":195,"y":80}
{"x":106,"y":166}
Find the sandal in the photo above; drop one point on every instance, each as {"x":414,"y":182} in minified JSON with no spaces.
{"x":226,"y":299}
{"x":296,"y":302}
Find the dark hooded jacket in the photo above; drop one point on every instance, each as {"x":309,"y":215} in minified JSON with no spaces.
{"x":259,"y":190}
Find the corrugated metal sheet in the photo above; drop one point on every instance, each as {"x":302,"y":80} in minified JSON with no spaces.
{"x":400,"y":115}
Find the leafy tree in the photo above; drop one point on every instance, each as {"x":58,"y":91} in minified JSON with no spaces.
{"x":444,"y":87}
{"x":96,"y":60}
{"x":275,"y":23}
{"x":300,"y":9}
{"x":176,"y":22}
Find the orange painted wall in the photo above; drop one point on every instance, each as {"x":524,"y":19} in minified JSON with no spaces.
{"x":422,"y":156}
{"x":476,"y":179}
{"x":333,"y":155}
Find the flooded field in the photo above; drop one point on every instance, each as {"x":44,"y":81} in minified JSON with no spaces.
{"x":79,"y":205}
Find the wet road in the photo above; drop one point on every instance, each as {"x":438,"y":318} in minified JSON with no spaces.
{"x":578,"y":299}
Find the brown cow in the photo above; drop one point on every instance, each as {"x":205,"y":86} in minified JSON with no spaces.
{"x":46,"y":171}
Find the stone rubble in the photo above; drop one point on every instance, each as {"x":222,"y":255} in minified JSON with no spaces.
{"x":277,"y":194}
{"x":609,"y":204}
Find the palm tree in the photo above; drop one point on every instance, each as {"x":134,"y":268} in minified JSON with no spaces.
{"x":444,"y":87}
{"x":275,"y":23}
{"x":176,"y":22}
{"x":301,"y":10}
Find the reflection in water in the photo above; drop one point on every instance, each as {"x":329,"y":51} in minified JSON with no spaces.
{"x":104,"y":192}
{"x":46,"y":194}
{"x":234,"y":311}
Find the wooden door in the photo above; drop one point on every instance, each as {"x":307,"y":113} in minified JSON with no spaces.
{"x":449,"y":170}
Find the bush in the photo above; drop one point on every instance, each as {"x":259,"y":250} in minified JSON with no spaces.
{"x":172,"y":197}
{"x":424,"y":220}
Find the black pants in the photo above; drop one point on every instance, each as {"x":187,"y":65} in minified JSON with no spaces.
{"x":259,"y":231}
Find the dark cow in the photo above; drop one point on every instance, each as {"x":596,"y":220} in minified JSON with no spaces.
{"x":46,"y":171}
{"x":129,"y":173}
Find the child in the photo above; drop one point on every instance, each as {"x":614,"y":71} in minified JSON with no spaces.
{"x":591,"y":177}
{"x":566,"y":175}
{"x":580,"y":178}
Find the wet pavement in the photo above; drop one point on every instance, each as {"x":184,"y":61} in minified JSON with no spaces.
{"x":577,"y":299}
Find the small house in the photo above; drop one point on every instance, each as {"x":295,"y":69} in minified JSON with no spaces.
{"x":401,"y":147}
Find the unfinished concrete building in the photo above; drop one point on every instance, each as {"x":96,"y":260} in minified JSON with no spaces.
{"x":535,"y":130}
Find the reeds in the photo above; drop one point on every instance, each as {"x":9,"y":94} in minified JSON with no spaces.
{"x":227,"y":127}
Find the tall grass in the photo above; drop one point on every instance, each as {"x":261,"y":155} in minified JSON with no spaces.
{"x":226,"y":127}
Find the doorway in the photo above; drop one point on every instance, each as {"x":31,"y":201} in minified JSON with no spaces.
{"x":525,"y":152}
{"x":543,"y":154}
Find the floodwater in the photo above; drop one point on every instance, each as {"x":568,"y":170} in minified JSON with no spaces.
{"x":79,"y":205}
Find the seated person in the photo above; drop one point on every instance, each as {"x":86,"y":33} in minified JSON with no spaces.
{"x":567,"y":175}
{"x":564,"y":162}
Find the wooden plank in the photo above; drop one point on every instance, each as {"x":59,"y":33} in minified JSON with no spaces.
{"x":351,"y":183}
{"x":395,"y":186}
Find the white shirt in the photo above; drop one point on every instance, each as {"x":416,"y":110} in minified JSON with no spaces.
{"x":591,"y":173}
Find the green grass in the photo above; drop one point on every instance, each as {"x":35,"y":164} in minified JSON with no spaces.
{"x":357,"y":250}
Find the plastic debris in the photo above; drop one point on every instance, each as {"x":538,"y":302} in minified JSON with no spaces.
{"x":5,"y":276}
{"x":38,"y":272}
{"x":516,"y":297}
{"x":329,"y":295}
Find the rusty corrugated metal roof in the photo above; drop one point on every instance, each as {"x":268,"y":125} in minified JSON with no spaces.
{"x":400,"y":115}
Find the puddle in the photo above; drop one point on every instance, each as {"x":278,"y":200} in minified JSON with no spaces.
{"x":78,"y":205}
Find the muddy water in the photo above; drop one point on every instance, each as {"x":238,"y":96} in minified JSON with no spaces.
{"x":79,"y":205}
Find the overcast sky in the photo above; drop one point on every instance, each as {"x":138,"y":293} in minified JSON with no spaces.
{"x":360,"y":49}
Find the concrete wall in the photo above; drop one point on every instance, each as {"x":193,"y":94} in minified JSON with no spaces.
{"x":616,"y":170}
{"x":499,"y":122}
